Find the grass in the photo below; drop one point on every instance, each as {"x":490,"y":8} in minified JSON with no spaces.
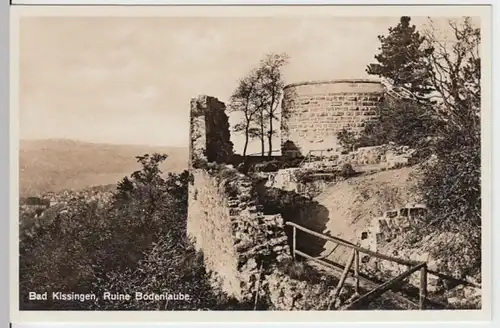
{"x":300,"y":270}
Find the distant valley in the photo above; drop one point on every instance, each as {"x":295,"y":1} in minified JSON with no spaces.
{"x":57,"y":164}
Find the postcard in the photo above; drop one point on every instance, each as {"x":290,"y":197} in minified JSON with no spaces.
{"x":256,"y":163}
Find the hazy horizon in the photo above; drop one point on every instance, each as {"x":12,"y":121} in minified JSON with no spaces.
{"x":129,"y":80}
{"x":100,"y":143}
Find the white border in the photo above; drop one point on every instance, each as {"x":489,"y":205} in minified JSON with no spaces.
{"x":262,"y":316}
{"x":251,"y":2}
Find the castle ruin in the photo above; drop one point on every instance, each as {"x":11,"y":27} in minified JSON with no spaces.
{"x":245,"y":245}
{"x":314,"y":112}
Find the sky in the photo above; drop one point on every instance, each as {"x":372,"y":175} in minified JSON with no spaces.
{"x":129,"y":80}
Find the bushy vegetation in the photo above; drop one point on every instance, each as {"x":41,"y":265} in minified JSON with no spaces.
{"x":300,"y":270}
{"x":402,"y":122}
{"x":348,"y":140}
{"x":347,"y":171}
{"x":442,"y":117}
{"x":135,"y":243}
{"x":311,"y":175}
{"x":275,"y":165}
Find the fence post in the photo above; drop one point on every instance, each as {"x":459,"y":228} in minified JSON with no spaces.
{"x":342,"y":278}
{"x":356,"y":272}
{"x":294,"y":241}
{"x":423,"y":287}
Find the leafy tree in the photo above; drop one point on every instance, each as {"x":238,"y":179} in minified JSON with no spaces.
{"x":402,"y":122}
{"x":242,"y":101}
{"x":154,"y":206}
{"x":124,"y":189}
{"x":403,"y":59}
{"x":272,"y":86}
{"x":261,"y":102}
{"x":449,"y":126}
{"x":257,"y":97}
{"x":137,"y":242}
{"x":452,"y":184}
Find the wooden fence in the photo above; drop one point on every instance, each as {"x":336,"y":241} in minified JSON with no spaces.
{"x":354,"y":259}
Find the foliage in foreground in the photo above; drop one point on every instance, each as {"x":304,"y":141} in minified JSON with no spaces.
{"x":136,"y":243}
{"x":447,"y":126}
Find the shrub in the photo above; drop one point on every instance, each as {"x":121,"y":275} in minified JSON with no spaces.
{"x":347,"y":140}
{"x":401,"y":122}
{"x":347,"y":171}
{"x":271,"y":166}
{"x":452,"y":189}
{"x":300,"y":270}
{"x":291,"y":163}
{"x":137,"y":242}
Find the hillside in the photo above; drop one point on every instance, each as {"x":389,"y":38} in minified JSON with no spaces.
{"x":56,"y":164}
{"x":352,"y":203}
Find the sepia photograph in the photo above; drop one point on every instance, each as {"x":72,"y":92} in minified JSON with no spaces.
{"x":251,"y":163}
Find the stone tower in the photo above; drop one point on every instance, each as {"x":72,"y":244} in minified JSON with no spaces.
{"x":314,"y":112}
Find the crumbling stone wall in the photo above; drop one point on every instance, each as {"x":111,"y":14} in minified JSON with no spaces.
{"x":314,"y":112}
{"x":393,"y":223}
{"x":289,"y":294}
{"x":243,"y":247}
{"x":388,"y":156}
{"x":238,"y":241}
{"x":424,"y":249}
{"x":391,"y":155}
{"x":210,"y":139}
{"x":390,"y":234}
{"x":301,"y":180}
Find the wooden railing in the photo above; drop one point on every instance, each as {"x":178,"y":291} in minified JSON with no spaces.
{"x":354,"y":259}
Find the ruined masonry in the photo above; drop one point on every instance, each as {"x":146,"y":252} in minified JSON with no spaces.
{"x":314,"y":112}
{"x":239,"y":243}
{"x":209,"y":131}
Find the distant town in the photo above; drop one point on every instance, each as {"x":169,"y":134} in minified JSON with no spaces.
{"x":35,"y":206}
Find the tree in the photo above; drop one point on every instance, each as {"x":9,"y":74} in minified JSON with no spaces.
{"x":402,"y":59}
{"x":243,"y":101}
{"x":137,"y":242}
{"x":124,"y":188}
{"x":257,"y":97}
{"x":153,"y":207}
{"x":406,"y":123}
{"x":450,"y":66}
{"x":261,"y":103}
{"x":452,"y":184}
{"x":456,"y":76}
{"x":272,"y":86}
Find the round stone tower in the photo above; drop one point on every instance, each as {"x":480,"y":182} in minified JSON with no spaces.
{"x":314,"y":112}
